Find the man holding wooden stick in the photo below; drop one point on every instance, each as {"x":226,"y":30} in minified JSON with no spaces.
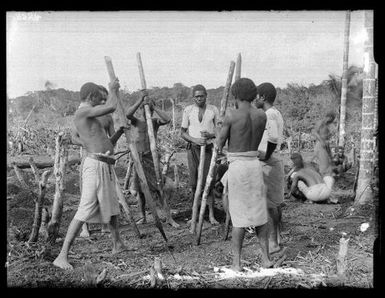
{"x":141,"y":138}
{"x":99,"y":201}
{"x":243,"y":128}
{"x":108,"y":125}
{"x":199,"y":122}
{"x":272,"y":165}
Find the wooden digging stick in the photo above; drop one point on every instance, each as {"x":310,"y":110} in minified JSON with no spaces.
{"x":150,"y":127}
{"x":134,"y":153}
{"x":198,"y":189}
{"x":210,"y":175}
{"x":154,"y":152}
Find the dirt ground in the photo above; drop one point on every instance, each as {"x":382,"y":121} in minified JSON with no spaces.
{"x":311,"y":233}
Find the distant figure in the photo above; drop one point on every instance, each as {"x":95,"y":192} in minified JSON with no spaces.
{"x":341,"y":161}
{"x":99,"y":202}
{"x":198,"y":128}
{"x":313,"y":186}
{"x":243,"y":128}
{"x":322,"y":150}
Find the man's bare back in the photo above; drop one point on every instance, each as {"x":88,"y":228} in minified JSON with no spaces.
{"x":246,"y":130}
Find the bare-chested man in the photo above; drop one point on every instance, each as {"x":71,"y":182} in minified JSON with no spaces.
{"x":243,"y":129}
{"x":313,"y":186}
{"x":142,"y":140}
{"x":99,"y":200}
{"x":108,"y":124}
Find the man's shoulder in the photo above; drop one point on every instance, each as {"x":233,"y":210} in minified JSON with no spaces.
{"x":189,"y":107}
{"x":212,"y":107}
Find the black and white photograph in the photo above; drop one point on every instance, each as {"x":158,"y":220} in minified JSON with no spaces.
{"x":176,"y":150}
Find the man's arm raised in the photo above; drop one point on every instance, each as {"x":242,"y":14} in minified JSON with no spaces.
{"x":131,"y":110}
{"x":107,"y":108}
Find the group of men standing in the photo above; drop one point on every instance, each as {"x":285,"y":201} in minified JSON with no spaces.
{"x":253,"y":132}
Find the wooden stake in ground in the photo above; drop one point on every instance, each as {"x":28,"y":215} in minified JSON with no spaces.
{"x":38,"y":203}
{"x":135,"y":155}
{"x":61,"y":155}
{"x":342,"y":259}
{"x":173,"y":113}
{"x":210,"y":175}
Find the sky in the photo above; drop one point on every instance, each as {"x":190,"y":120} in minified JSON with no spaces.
{"x":189,"y":47}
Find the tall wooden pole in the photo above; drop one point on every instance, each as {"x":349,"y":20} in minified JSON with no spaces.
{"x":364,"y":192}
{"x":150,"y":127}
{"x":238,"y":68}
{"x":344,"y":87}
{"x":210,"y":175}
{"x":134,"y":153}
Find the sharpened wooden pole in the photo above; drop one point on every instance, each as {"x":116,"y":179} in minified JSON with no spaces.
{"x":210,"y":174}
{"x":198,"y":189}
{"x":150,"y":127}
{"x":134,"y":151}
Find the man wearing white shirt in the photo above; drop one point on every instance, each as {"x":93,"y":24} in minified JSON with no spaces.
{"x":198,"y":128}
{"x":273,"y":172}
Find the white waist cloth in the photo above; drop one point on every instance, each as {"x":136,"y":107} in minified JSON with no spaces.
{"x":99,"y":199}
{"x":246,"y":190}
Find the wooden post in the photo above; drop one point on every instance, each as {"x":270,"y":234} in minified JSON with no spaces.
{"x":210,"y":174}
{"x":135,"y":155}
{"x":342,"y":258}
{"x":173,"y":113}
{"x":38,"y":207}
{"x":61,"y":156}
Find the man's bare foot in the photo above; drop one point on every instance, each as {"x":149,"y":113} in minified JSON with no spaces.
{"x":267,"y":264}
{"x":273,"y":248}
{"x":279,"y":252}
{"x":142,"y":220}
{"x":213,"y":221}
{"x":62,"y":263}
{"x":119,"y":247}
{"x":236,"y":267}
{"x":84,"y":233}
{"x":172,"y":222}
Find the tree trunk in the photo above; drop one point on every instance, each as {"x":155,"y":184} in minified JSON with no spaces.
{"x":364,"y":192}
{"x":61,"y":156}
{"x":38,"y":207}
{"x":344,"y":87}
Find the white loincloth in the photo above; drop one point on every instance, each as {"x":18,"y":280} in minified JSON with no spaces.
{"x":246,"y":190}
